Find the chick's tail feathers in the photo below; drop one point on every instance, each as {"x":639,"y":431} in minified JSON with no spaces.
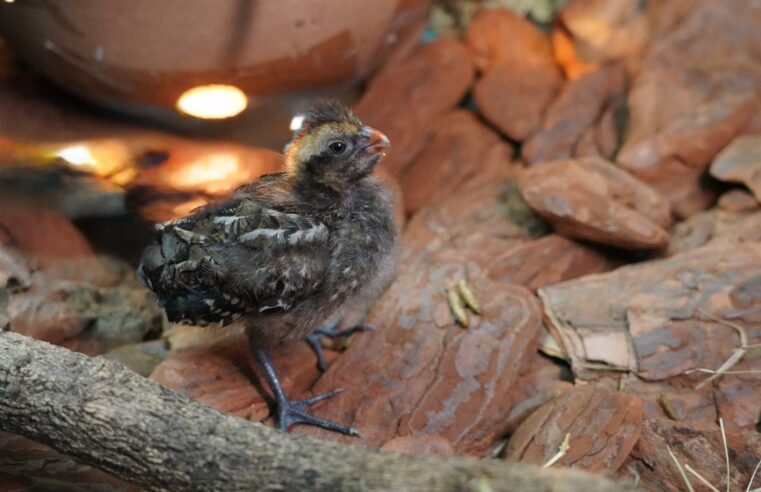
{"x":180,"y":274}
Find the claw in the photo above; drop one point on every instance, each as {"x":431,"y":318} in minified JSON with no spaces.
{"x":318,"y":398}
{"x":294,"y":412}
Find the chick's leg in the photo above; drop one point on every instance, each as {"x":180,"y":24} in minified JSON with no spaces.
{"x":329,"y":331}
{"x":294,"y":412}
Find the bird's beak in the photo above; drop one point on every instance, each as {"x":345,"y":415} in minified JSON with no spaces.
{"x":377,"y":142}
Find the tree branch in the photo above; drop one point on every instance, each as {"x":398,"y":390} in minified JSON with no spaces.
{"x":104,"y":415}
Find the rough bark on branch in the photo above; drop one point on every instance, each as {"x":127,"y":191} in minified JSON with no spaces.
{"x":104,"y":415}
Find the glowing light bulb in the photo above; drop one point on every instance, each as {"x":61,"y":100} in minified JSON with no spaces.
{"x":79,"y":156}
{"x":213,"y":102}
{"x":296,"y":122}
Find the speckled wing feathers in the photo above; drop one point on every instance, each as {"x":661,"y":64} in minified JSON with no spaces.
{"x":270,"y":228}
{"x":242,"y":257}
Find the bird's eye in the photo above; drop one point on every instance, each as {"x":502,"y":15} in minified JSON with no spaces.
{"x":337,"y":147}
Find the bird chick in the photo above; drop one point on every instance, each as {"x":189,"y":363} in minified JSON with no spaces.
{"x":284,"y":255}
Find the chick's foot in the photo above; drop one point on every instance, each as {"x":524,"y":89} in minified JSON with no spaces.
{"x":330,"y":331}
{"x":291,"y":412}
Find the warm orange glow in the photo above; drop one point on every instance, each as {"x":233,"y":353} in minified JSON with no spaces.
{"x":102,"y":157}
{"x":214,"y":102}
{"x":212,"y":172}
{"x":186,"y":208}
{"x":564,"y":50}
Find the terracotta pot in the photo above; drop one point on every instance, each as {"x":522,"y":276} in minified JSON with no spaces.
{"x":146,"y":53}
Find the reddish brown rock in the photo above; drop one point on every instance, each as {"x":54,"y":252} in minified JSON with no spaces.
{"x":53,"y":288}
{"x":592,"y":199}
{"x":221,"y":374}
{"x":699,"y":446}
{"x":420,"y":445}
{"x":694,"y":139}
{"x":83,"y":317}
{"x":736,"y":220}
{"x":485,"y":227}
{"x":218,"y":378}
{"x":421,"y":374}
{"x":605,"y":30}
{"x":608,"y":131}
{"x":543,"y":379}
{"x":57,"y":248}
{"x":526,"y":263}
{"x":585,"y":146}
{"x":740,"y":162}
{"x":658,"y":319}
{"x":603,"y":426}
{"x":604,"y":138}
{"x":476,"y":216}
{"x":692,"y":96}
{"x":462,"y":154}
{"x":663,"y":17}
{"x":662,"y":400}
{"x":15,"y":270}
{"x":738,"y":397}
{"x":684,"y":187}
{"x":514,"y":98}
{"x":423,"y":88}
{"x":738,"y":201}
{"x":499,"y":35}
{"x":754,"y":127}
{"x":577,"y":107}
{"x":520,"y":75}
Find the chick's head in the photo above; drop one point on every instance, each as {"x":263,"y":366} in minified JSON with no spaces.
{"x":334,"y":148}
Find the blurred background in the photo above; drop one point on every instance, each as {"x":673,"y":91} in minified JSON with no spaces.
{"x":534,"y":143}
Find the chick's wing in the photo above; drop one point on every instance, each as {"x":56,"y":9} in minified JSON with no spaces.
{"x":238,"y":258}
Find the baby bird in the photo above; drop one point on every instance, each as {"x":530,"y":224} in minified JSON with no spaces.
{"x":285,"y":254}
